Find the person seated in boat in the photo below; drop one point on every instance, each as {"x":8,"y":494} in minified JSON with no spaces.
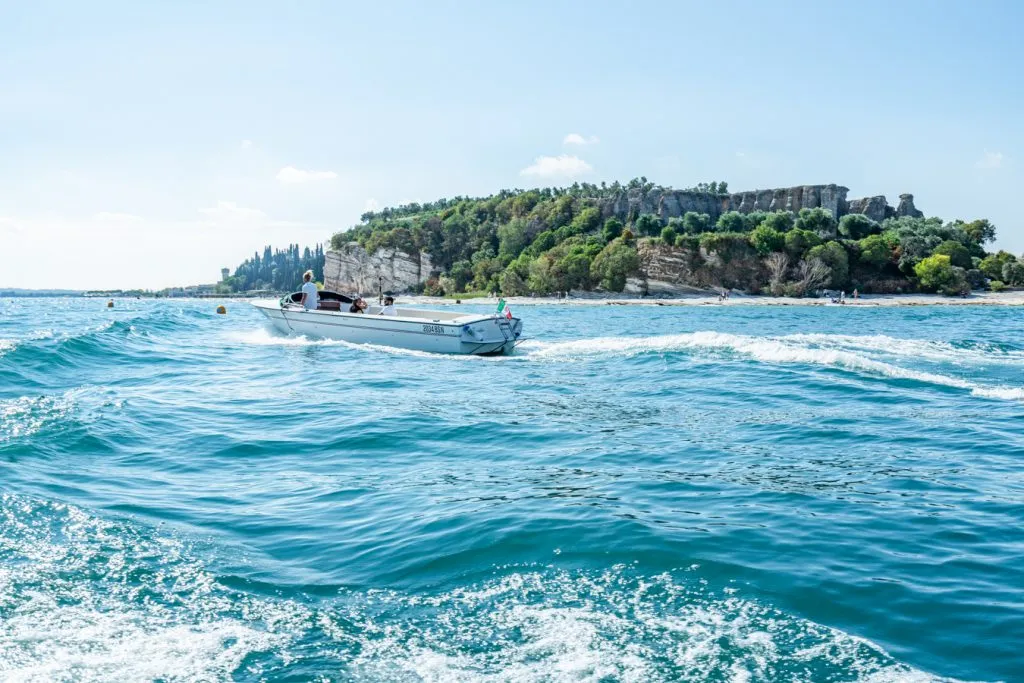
{"x":310,"y":297}
{"x":358,"y":306}
{"x":389,"y":306}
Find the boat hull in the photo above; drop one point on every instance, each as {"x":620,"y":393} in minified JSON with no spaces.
{"x":415,"y":329}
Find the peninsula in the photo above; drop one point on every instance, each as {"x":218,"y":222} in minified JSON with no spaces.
{"x":642,"y":238}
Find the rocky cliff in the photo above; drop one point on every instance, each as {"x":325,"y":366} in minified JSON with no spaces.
{"x":674,"y":203}
{"x":669,"y":270}
{"x":352,"y":270}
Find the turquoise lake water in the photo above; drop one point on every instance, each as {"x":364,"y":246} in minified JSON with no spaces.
{"x":640,"y":494}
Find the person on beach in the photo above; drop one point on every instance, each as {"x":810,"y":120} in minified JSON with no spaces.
{"x":310,"y":297}
{"x":389,"y":306}
{"x":358,"y":306}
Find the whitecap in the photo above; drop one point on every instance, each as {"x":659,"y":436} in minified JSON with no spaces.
{"x":785,"y":350}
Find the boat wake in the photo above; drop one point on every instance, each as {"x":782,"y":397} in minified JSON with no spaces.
{"x":87,"y":598}
{"x":848,"y":353}
{"x":869,"y":355}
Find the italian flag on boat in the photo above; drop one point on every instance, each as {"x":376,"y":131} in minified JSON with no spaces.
{"x":504,"y":309}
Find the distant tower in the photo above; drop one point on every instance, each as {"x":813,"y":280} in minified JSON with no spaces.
{"x":225,"y":273}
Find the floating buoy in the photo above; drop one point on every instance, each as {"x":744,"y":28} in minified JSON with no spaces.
{"x":110,"y":304}
{"x":221,"y":310}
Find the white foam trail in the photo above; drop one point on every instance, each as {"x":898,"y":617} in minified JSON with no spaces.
{"x":90,"y":599}
{"x":913,"y":348}
{"x":73,"y":611}
{"x":766,"y":349}
{"x":656,"y":629}
{"x":262,"y":337}
{"x":806,"y":349}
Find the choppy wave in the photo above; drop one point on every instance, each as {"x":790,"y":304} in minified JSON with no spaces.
{"x":787,"y":350}
{"x":83,"y":598}
{"x":25,"y":416}
{"x":91,"y":600}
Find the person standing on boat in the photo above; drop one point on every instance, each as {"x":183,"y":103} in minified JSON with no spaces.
{"x":310,"y":297}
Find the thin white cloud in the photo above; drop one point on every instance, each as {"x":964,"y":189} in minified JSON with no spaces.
{"x":232,"y":213}
{"x":371,"y":205}
{"x":291,"y":175}
{"x":246,"y":144}
{"x":115,"y":217}
{"x":991,"y":160}
{"x":562,"y":166}
{"x":577,"y":139}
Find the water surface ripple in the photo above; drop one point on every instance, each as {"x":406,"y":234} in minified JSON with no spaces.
{"x":640,"y":494}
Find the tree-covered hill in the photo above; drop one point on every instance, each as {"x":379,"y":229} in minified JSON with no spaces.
{"x":559,"y":239}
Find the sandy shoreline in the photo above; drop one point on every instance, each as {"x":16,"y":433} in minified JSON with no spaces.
{"x":1013,"y":298}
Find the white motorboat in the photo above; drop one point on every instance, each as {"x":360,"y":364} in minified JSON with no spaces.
{"x":413,"y":328}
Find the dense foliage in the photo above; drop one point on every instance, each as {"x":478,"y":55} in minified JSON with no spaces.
{"x":278,"y":270}
{"x":581,"y":238}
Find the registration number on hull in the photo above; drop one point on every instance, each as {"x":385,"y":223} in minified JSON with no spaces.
{"x":433,"y":329}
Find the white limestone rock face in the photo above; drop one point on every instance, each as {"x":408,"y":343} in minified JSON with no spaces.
{"x":352,"y":270}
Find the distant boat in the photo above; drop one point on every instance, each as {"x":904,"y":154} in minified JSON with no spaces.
{"x":413,"y":328}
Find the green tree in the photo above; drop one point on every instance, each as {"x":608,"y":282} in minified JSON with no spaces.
{"x":935,"y":273}
{"x":587,"y":220}
{"x":541,"y":279}
{"x":512,"y":284}
{"x":957,"y":253}
{"x":512,"y":238}
{"x":541,"y":243}
{"x":779,"y":220}
{"x":614,"y":264}
{"x":1013,"y":273}
{"x":834,"y":256}
{"x":766,"y":240}
{"x":992,"y":265}
{"x":856,"y":226}
{"x":875,"y":251}
{"x":647,"y":224}
{"x":754,"y":219}
{"x":461,"y":273}
{"x":695,"y":223}
{"x":980,"y":231}
{"x":668,"y":235}
{"x":799,"y":241}
{"x":573,"y":270}
{"x":819,"y":221}
{"x":612,"y":229}
{"x":731,"y":221}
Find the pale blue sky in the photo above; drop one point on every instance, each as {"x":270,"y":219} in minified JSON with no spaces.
{"x":148,"y":144}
